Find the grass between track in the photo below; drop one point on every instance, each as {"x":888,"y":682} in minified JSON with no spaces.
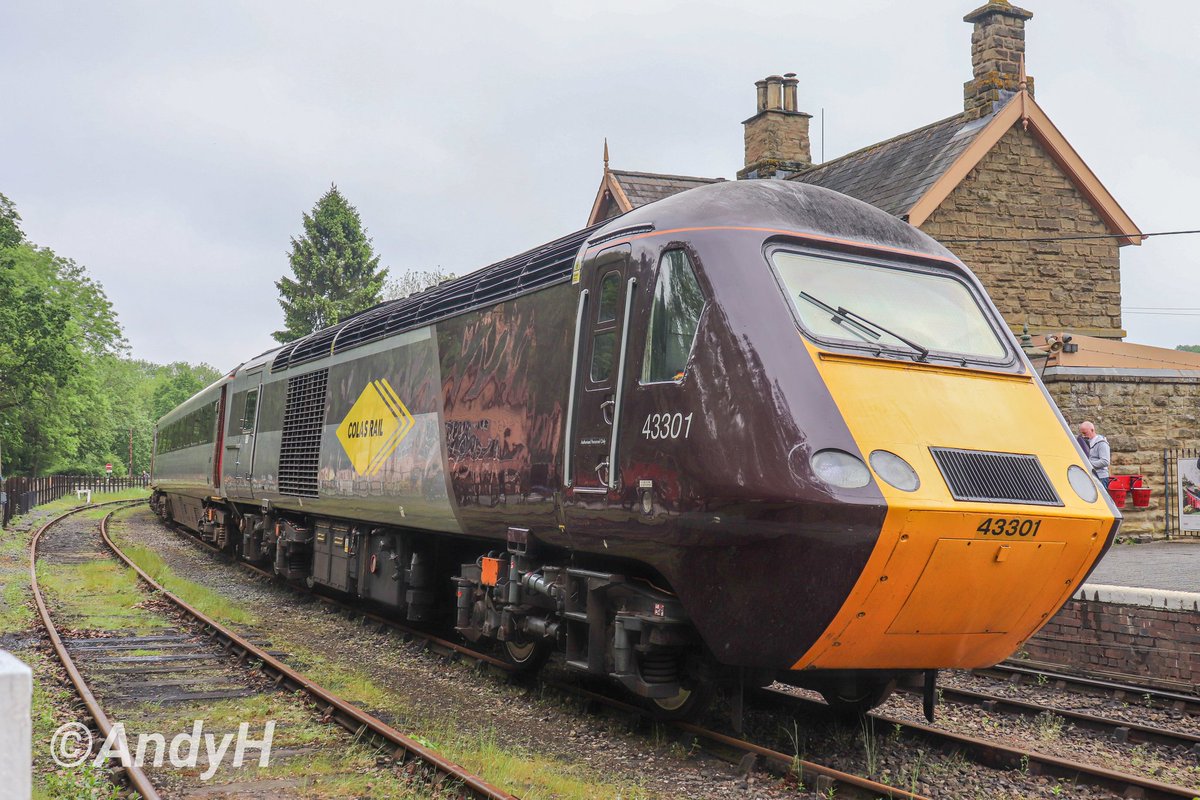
{"x":97,"y":597}
{"x":529,"y":775}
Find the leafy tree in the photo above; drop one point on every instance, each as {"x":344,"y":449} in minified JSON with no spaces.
{"x":69,"y":395}
{"x":1190,"y":348}
{"x":336,"y":271}
{"x":58,"y":327}
{"x":413,"y":281}
{"x":36,"y":350}
{"x":176,"y":383}
{"x":10,"y":233}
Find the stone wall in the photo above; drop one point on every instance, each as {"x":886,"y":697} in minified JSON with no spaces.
{"x":1142,"y":643}
{"x":777,"y":144}
{"x":1141,"y":414}
{"x":1017,"y":191}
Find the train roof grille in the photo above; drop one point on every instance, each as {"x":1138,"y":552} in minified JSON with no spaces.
{"x":534,"y":269}
{"x":621,"y":233}
{"x":987,"y":477}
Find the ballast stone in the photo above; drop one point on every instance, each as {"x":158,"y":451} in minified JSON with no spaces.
{"x":16,"y":756}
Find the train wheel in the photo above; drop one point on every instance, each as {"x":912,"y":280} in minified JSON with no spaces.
{"x":852,"y":702}
{"x":688,"y":704}
{"x":527,"y":655}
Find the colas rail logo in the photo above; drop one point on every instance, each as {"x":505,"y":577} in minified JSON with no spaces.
{"x":374,"y":427}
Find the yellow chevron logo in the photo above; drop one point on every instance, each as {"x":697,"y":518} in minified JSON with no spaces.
{"x":374,"y":427}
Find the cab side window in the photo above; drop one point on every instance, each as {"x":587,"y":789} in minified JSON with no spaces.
{"x":250,"y":412}
{"x":605,"y":337}
{"x":674,"y":316}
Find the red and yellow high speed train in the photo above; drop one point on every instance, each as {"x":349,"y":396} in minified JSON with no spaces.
{"x":756,"y":431}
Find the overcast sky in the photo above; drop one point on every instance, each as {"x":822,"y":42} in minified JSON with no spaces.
{"x":172,"y":147}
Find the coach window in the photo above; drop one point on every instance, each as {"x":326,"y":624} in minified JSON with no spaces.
{"x":251,"y":410}
{"x":674,"y":317}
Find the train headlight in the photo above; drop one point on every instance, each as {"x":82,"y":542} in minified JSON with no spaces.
{"x":895,"y":470}
{"x":840,"y":469}
{"x":1082,"y":483}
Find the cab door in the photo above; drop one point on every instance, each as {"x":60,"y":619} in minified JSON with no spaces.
{"x":239,"y":444}
{"x":596,"y":401}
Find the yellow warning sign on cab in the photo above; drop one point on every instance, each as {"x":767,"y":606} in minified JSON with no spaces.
{"x":375,"y":426}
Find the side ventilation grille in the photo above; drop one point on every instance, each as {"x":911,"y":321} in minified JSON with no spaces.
{"x":995,"y":477}
{"x":303,"y":423}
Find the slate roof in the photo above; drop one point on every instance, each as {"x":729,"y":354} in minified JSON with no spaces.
{"x":646,"y":187}
{"x":895,"y":174}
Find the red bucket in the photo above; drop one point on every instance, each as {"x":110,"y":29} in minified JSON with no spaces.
{"x":1118,"y":495}
{"x":1141,"y":496}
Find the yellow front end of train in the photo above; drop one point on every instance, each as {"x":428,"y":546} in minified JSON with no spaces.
{"x":956,"y":582}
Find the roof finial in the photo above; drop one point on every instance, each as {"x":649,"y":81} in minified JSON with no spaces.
{"x":1023,"y":93}
{"x":606,"y":154}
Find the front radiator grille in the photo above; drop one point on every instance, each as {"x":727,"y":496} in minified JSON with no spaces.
{"x":303,"y":424}
{"x":995,"y":477}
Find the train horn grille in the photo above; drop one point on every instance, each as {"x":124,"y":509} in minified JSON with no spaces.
{"x":995,"y":477}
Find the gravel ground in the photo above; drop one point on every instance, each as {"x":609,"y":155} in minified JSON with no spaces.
{"x":1132,"y":709}
{"x":424,"y":692}
{"x":152,"y":672}
{"x":1054,"y":735}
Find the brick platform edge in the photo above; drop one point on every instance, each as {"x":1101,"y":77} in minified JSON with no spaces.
{"x":1145,"y":636}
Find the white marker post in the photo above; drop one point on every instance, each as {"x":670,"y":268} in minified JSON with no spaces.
{"x":16,"y":754}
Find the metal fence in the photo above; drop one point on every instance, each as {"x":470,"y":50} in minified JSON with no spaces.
{"x":23,"y":494}
{"x":1174,"y":501}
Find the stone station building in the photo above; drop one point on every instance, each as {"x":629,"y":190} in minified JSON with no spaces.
{"x":1002,"y":187}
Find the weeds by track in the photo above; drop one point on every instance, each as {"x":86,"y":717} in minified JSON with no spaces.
{"x":154,"y":657}
{"x":825,"y":780}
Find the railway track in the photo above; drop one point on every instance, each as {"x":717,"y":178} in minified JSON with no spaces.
{"x":1157,"y":697}
{"x":1119,"y":730}
{"x":181,"y":663}
{"x":820,"y":777}
{"x":995,"y":754}
{"x":747,"y":755}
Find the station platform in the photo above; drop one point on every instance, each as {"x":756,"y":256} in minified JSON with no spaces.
{"x":1136,"y":619}
{"x":1171,"y":566}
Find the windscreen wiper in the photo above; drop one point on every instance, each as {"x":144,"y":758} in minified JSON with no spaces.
{"x":861,"y":322}
{"x":861,"y":331}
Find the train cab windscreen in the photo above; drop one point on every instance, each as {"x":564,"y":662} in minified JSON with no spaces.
{"x":876,"y":307}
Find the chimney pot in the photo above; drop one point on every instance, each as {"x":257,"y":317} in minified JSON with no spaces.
{"x":775,"y":91}
{"x":789,"y":91}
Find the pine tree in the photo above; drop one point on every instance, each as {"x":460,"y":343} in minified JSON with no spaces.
{"x":336,"y":271}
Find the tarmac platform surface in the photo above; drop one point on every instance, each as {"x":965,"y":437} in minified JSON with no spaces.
{"x":1170,"y":566}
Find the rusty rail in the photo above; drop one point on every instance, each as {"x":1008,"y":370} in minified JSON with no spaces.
{"x":133,"y":773}
{"x":993,"y":753}
{"x":827,"y":775}
{"x":345,"y":714}
{"x":1126,"y":731}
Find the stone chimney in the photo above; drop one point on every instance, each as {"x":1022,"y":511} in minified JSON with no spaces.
{"x":777,"y":136}
{"x":997,"y":53}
